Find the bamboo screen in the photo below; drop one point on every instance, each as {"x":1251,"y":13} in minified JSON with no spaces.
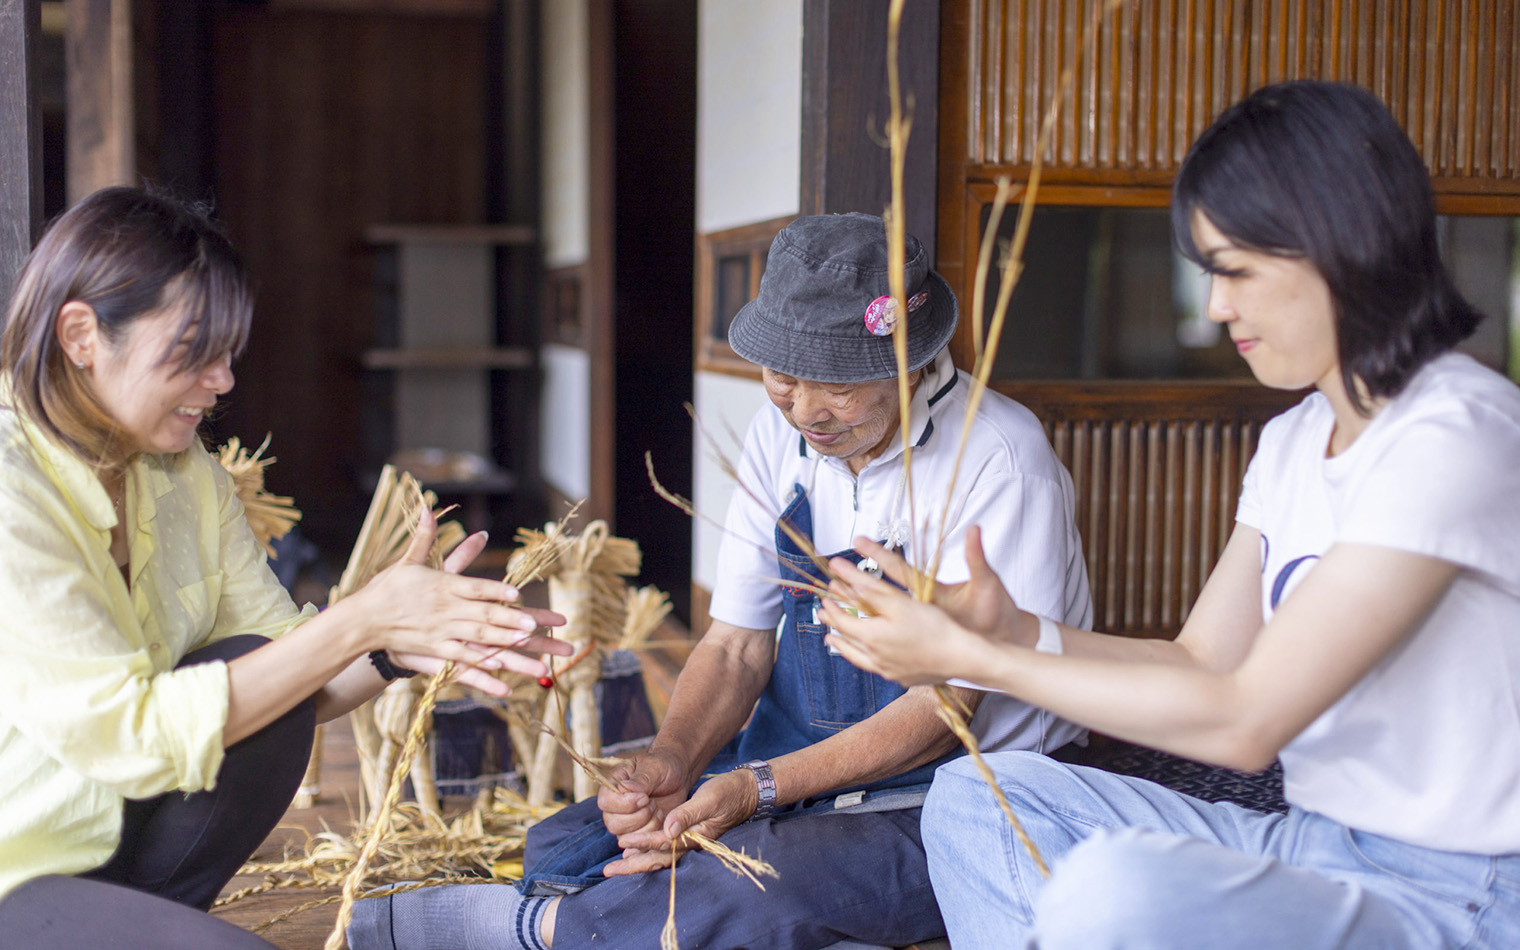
{"x":1155,"y":506}
{"x":1449,"y":69}
{"x":1156,"y":471}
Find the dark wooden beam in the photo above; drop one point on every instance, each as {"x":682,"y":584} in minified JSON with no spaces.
{"x":601,"y":264}
{"x":514,"y":183}
{"x":176,"y":98}
{"x":101,"y":144}
{"x":20,"y":138}
{"x":845,"y":107}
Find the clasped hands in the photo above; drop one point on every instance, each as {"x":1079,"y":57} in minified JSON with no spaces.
{"x":914,"y":642}
{"x":652,"y":809}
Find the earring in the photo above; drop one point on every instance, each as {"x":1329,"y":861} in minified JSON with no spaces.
{"x":79,"y":364}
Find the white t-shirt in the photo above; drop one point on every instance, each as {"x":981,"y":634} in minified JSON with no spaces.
{"x":1426,"y":748}
{"x":1010,"y":483}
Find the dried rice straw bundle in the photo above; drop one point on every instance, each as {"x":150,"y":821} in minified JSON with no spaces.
{"x":736,"y":861}
{"x":270,"y":516}
{"x":587,"y":584}
{"x":383,"y":538}
{"x":922,"y":582}
{"x":644,"y":609}
{"x":387,"y":531}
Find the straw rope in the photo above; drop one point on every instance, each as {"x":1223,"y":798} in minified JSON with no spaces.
{"x":668,"y":940}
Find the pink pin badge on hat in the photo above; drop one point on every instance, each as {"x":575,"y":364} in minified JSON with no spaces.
{"x":881,"y":315}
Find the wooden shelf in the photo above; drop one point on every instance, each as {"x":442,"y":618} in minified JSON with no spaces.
{"x":449,"y":357}
{"x":509,"y":234}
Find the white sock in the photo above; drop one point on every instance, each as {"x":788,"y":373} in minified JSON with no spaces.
{"x":450,"y":917}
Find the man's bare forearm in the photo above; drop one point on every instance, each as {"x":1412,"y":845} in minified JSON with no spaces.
{"x":715,"y":693}
{"x":905,"y":734}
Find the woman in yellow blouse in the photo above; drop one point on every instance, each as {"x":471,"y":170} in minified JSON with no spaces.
{"x":158,"y":688}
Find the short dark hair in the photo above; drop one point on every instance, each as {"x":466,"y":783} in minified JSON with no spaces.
{"x":126,"y":252}
{"x":1321,"y":171}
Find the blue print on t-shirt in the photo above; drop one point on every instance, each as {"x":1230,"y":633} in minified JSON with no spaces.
{"x":1280,"y":585}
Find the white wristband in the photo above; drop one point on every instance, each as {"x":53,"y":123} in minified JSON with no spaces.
{"x":1050,"y":637}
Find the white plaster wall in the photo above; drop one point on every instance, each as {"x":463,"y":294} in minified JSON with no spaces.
{"x":566,"y":131}
{"x":565,"y":406}
{"x":749,"y":111}
{"x":749,"y":152}
{"x":564,"y":417}
{"x":723,"y":403}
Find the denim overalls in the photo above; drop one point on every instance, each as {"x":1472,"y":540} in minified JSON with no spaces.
{"x":811,"y":695}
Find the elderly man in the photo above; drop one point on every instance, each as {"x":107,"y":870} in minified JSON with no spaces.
{"x":772,"y":743}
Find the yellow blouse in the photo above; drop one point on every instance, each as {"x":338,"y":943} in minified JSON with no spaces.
{"x":92,"y":710}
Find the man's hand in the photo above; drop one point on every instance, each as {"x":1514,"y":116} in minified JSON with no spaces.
{"x":655,"y":784}
{"x":721,"y":803}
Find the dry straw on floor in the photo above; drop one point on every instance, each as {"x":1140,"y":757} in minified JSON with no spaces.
{"x":417,"y":846}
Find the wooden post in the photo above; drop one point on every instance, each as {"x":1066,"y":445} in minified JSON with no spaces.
{"x":20,"y":138}
{"x":98,"y":56}
{"x":845,"y":108}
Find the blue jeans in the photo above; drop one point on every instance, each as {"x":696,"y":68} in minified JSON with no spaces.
{"x":843,"y":875}
{"x":1135,"y":864}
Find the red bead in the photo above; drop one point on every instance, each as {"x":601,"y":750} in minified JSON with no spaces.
{"x":547,"y":682}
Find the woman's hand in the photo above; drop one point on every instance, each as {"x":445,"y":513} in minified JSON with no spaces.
{"x":960,"y":621}
{"x":980,"y":604}
{"x":426,"y":617}
{"x":904,"y":639}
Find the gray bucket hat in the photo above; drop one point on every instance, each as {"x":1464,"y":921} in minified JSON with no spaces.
{"x":825,"y":310}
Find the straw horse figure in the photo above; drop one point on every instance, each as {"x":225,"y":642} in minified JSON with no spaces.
{"x":587,"y":585}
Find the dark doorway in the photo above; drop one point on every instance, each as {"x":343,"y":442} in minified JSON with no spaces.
{"x":655,"y":77}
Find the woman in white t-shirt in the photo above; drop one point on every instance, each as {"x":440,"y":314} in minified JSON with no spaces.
{"x":1363,"y":623}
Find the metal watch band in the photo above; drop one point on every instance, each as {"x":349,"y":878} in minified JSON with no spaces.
{"x":388,"y":670}
{"x":766,"y":782}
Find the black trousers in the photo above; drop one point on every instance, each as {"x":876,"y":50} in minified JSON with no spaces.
{"x":175,"y":847}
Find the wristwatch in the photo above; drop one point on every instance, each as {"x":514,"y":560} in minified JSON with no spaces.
{"x":766,"y":783}
{"x":388,"y":670}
